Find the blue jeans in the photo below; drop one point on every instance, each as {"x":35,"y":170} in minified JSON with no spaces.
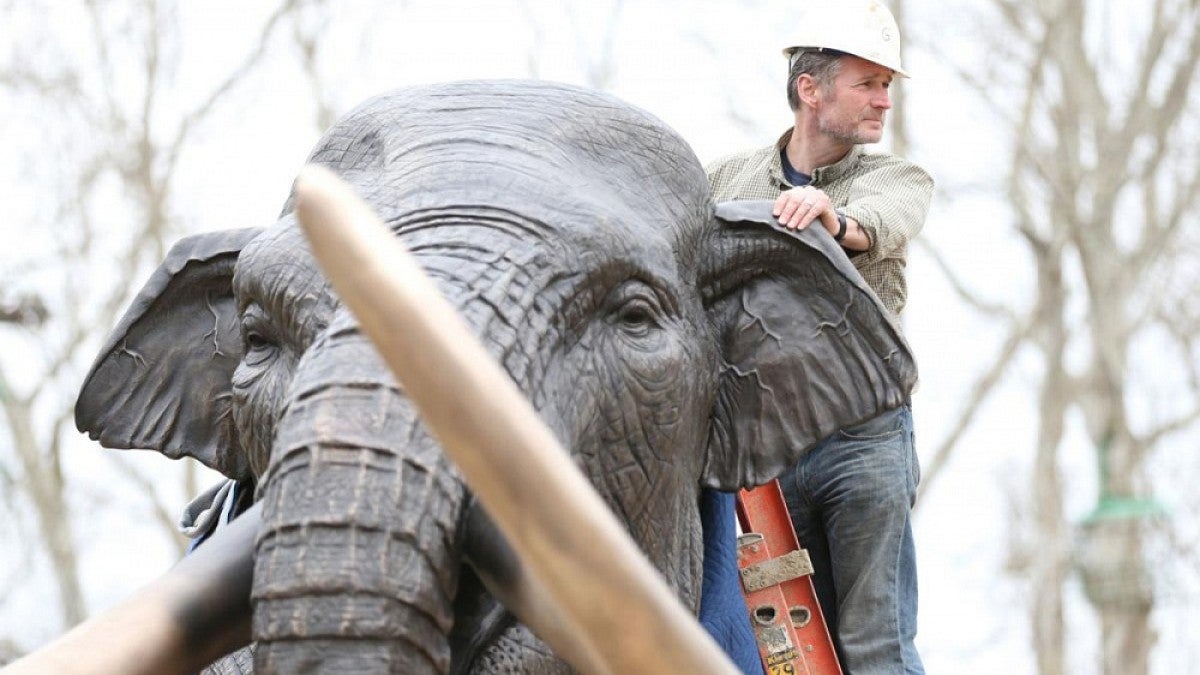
{"x":850,"y":500}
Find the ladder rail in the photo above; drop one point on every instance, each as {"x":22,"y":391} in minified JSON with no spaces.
{"x":789,"y":627}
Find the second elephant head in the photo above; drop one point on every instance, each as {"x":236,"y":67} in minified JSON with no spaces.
{"x":670,"y":345}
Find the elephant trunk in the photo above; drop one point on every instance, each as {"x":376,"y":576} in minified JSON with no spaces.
{"x":353,"y":569}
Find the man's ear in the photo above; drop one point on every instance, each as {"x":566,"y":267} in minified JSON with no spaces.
{"x":807,"y":347}
{"x":808,"y":89}
{"x":162,"y":381}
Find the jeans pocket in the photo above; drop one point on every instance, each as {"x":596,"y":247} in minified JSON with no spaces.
{"x":880,"y":427}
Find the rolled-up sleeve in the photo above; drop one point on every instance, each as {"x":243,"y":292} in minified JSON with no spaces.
{"x":890,"y":202}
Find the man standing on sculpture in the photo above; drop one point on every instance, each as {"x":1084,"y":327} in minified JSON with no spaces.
{"x":850,"y":497}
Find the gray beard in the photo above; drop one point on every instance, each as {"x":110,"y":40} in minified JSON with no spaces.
{"x":845,"y":133}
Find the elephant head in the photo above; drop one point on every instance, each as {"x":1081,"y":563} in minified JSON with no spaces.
{"x":670,"y":345}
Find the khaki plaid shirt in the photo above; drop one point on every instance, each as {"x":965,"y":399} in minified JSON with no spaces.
{"x":887,"y":195}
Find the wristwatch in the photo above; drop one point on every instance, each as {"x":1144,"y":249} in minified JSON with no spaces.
{"x":841,"y":233}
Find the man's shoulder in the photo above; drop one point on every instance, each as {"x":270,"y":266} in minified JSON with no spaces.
{"x":880,"y":160}
{"x":744,"y":175}
{"x":736,"y":160}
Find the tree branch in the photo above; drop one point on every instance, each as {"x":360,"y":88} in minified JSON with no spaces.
{"x":108,"y":88}
{"x":165,"y":519}
{"x":197,"y":115}
{"x":307,"y":42}
{"x":1154,"y":436}
{"x":968,"y":296}
{"x":982,"y":388}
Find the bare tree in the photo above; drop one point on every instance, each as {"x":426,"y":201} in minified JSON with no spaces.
{"x":26,"y":310}
{"x":1104,"y":195}
{"x":308,"y":25}
{"x":114,"y":118}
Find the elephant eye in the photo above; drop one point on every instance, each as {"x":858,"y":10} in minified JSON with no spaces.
{"x":256,"y":341}
{"x":636,"y":317}
{"x":259,"y":349}
{"x":635,"y":309}
{"x":259,"y":345}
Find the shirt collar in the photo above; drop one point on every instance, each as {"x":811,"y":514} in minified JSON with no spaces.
{"x":820,"y":175}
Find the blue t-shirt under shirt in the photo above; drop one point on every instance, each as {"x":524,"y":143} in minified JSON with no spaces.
{"x":793,"y":176}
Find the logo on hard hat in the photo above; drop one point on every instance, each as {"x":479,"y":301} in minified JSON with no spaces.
{"x":886,"y":34}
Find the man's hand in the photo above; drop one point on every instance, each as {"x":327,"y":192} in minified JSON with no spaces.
{"x":797,"y":208}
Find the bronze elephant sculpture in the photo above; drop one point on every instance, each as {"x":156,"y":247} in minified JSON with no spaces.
{"x":672,"y":346}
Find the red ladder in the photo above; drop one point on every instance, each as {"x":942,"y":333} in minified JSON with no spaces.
{"x":792,"y":636}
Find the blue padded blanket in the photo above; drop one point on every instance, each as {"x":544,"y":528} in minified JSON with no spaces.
{"x":722,"y":607}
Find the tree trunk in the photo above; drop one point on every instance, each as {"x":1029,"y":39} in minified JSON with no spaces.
{"x":1051,"y":561}
{"x":1127,"y":637}
{"x":45,"y":485}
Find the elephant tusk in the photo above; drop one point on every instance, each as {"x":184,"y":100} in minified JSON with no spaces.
{"x":194,"y":614}
{"x":621,"y":615}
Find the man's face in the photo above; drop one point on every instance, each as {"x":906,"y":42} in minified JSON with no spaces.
{"x":852,"y":108}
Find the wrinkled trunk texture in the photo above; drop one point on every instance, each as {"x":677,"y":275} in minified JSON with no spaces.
{"x":355,"y":567}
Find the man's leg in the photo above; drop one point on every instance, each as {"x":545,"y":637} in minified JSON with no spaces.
{"x":862,"y":482}
{"x":809,"y":524}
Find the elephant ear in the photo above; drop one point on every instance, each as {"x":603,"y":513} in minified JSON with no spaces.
{"x":807,"y":347}
{"x":163,"y":379}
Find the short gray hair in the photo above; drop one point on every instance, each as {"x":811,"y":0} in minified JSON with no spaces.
{"x":822,"y":65}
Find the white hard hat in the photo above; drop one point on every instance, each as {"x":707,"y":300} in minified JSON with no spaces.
{"x":864,"y":28}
